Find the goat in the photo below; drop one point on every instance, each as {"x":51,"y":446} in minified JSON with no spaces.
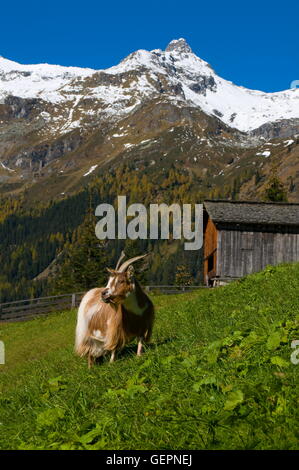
{"x":110,"y":317}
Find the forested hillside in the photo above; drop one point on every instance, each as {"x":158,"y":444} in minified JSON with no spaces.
{"x":34,"y":238}
{"x":39,"y":241}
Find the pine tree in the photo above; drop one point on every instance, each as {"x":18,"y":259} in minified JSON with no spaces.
{"x":275,"y":190}
{"x":85,"y":262}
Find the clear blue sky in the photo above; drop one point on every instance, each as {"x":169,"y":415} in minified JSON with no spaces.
{"x":253,"y":43}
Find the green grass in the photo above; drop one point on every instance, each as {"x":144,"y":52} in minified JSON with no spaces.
{"x":217,"y":375}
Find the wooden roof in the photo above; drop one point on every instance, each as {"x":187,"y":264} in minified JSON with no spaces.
{"x":247,"y":212}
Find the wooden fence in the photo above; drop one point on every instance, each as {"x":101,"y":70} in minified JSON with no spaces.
{"x":21,"y":310}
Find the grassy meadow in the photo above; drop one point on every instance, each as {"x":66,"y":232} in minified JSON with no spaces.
{"x":217,"y":375}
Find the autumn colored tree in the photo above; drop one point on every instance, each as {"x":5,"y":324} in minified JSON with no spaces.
{"x":183,"y":277}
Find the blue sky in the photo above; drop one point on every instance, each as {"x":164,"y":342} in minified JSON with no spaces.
{"x":253,"y":44}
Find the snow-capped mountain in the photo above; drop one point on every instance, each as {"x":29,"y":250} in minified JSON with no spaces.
{"x":160,"y":123}
{"x":155,"y":110}
{"x":175,"y":74}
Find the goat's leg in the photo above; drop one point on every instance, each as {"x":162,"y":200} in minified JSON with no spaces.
{"x":90,"y":361}
{"x":112,"y":357}
{"x":148,"y":334}
{"x":139,"y":347}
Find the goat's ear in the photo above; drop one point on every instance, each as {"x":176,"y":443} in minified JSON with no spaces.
{"x":130,"y":273}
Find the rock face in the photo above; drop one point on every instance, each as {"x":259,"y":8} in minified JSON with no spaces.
{"x":280,"y":129}
{"x":39,"y":156}
{"x":155,"y":108}
{"x":22,"y":108}
{"x":179,"y":45}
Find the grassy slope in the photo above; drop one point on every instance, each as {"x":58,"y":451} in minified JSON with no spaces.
{"x":217,"y":375}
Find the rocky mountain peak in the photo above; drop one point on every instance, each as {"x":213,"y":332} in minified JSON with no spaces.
{"x":176,"y":74}
{"x":179,"y":45}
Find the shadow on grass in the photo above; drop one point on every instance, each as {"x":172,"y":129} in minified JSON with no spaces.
{"x":131,"y":350}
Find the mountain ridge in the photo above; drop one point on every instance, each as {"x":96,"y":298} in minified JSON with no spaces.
{"x":190,"y":81}
{"x":153,"y":110}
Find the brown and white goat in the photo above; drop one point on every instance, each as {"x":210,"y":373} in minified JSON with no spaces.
{"x":110,"y":317}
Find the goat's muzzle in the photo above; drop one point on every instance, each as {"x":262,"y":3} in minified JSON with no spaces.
{"x":106,"y":297}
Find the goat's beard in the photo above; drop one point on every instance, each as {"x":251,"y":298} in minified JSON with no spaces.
{"x":117,"y":299}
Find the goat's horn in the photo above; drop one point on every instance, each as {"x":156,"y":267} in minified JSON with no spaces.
{"x":127,"y":263}
{"x":122,"y":256}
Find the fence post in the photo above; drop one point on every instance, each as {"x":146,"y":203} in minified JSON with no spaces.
{"x":73,"y":300}
{"x":2,"y":353}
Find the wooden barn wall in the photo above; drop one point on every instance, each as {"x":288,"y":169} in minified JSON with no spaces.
{"x":241,"y":252}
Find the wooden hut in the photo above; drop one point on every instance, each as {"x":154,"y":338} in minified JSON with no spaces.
{"x":242,"y":237}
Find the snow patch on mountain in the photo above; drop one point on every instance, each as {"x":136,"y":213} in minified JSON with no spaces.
{"x":266,"y":153}
{"x":288,"y":142}
{"x":91,"y":170}
{"x":5,"y":167}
